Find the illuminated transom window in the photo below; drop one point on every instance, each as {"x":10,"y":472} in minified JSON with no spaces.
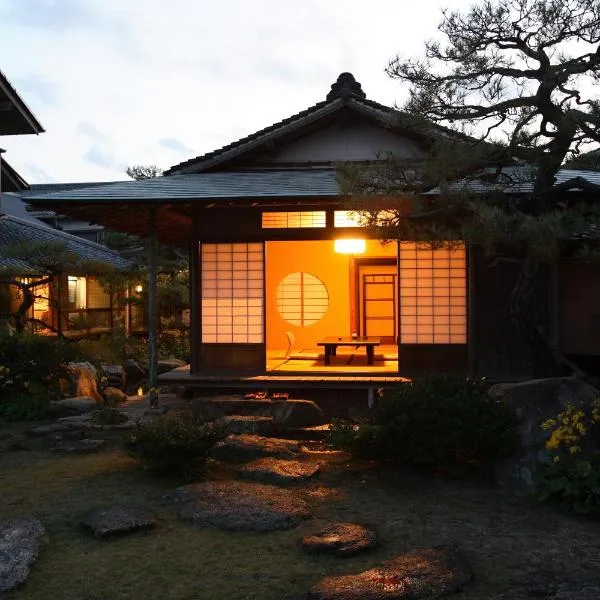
{"x":232,"y":293}
{"x":302,"y":299}
{"x":346,"y":218}
{"x":433,"y":298}
{"x":294,"y":220}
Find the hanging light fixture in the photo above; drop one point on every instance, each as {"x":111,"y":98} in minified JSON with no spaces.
{"x":350,"y":246}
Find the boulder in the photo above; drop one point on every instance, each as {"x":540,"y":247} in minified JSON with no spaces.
{"x":240,"y":506}
{"x":220,"y":406}
{"x":425,"y":573}
{"x":74,"y":406}
{"x":83,"y":380}
{"x":82,"y":446}
{"x":534,"y":402}
{"x":280,"y":472}
{"x":115,"y":375}
{"x":165,"y":365}
{"x":246,"y":424}
{"x":20,"y":542}
{"x":341,"y":539}
{"x":118,"y":520}
{"x":244,"y":448}
{"x":296,"y":414}
{"x":114,"y":396}
{"x":134,"y":371}
{"x":552,"y":585}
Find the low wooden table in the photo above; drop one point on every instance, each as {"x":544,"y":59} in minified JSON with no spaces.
{"x":331,"y":343}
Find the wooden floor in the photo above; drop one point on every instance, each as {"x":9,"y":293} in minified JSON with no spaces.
{"x":348,"y":361}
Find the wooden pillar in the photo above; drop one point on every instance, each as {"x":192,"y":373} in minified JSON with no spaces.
{"x":152,"y":311}
{"x":195,"y":306}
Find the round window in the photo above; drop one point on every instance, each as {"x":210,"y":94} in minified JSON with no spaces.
{"x":302,"y":299}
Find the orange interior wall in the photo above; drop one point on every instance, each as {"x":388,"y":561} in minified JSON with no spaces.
{"x":318,"y":259}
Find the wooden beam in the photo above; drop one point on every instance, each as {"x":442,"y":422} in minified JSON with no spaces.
{"x":152,"y":310}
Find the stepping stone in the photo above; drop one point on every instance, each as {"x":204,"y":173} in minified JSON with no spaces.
{"x":244,"y":448}
{"x":280,"y":472}
{"x":246,"y":424}
{"x":84,"y":446}
{"x":296,"y":414}
{"x":552,"y":585}
{"x":118,"y":520}
{"x":20,"y":542}
{"x":240,"y":506}
{"x":341,"y":539}
{"x":425,"y":573}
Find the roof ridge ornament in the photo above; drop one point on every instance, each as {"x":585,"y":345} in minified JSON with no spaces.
{"x":346,"y":87}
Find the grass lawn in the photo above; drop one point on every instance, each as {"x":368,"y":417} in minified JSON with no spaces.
{"x":501,"y":537}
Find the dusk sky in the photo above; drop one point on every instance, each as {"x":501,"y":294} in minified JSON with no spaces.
{"x":123,"y":82}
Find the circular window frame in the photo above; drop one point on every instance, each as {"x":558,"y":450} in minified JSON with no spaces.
{"x":291,"y":303}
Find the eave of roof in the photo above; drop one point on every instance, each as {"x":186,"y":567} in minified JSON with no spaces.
{"x":10,"y":180}
{"x":14,"y":230}
{"x":15,"y":116}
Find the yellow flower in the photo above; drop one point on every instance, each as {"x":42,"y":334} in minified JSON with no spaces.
{"x":556,"y":459}
{"x":573,"y":450}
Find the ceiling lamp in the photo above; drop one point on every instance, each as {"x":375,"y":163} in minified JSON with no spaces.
{"x":350,"y":246}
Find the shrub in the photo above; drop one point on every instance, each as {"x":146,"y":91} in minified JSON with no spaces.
{"x":32,"y":368}
{"x":572,"y":476}
{"x":436,"y":421}
{"x":174,"y":445}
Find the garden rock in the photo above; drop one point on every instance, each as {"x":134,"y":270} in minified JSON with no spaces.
{"x":134,"y":371}
{"x":341,"y":539}
{"x":244,"y":448}
{"x":83,"y":379}
{"x":246,"y":424}
{"x":20,"y":542}
{"x":83,"y":446}
{"x":116,"y":376}
{"x":165,"y":365}
{"x":73,"y":406}
{"x":118,"y":520}
{"x":114,"y":395}
{"x":240,"y":506}
{"x":294,"y":414}
{"x":425,"y":573}
{"x":280,"y":472}
{"x":534,"y":402}
{"x":551,"y":585}
{"x":220,"y":406}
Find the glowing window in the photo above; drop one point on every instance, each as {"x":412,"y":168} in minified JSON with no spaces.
{"x":232,"y":293}
{"x":294,"y":220}
{"x":301,"y":299}
{"x":346,"y":218}
{"x":433,"y":294}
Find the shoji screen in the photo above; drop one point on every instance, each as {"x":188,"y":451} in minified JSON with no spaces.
{"x":232,"y":293}
{"x":433,"y":294}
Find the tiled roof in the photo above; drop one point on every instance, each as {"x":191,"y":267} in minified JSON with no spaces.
{"x":290,"y":183}
{"x":519,"y":180}
{"x":14,"y":231}
{"x":345,"y":92}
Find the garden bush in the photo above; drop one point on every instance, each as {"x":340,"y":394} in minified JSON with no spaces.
{"x":572,"y":475}
{"x":32,"y":369}
{"x":174,"y":445}
{"x":435,"y":421}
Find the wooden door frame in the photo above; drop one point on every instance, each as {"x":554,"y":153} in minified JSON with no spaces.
{"x":371,"y":261}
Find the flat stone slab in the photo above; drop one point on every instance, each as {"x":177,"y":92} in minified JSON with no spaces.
{"x":246,"y":424}
{"x":247,"y":447}
{"x":240,"y":506}
{"x":83,"y":446}
{"x":340,"y":539}
{"x":424,"y":573}
{"x":280,"y":471}
{"x":118,"y":520}
{"x":553,"y":585}
{"x":20,"y":542}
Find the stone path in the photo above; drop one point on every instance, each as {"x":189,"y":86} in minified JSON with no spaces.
{"x":20,"y":542}
{"x":425,"y":573}
{"x":280,"y":471}
{"x":118,"y":519}
{"x":340,"y":539}
{"x":240,"y":506}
